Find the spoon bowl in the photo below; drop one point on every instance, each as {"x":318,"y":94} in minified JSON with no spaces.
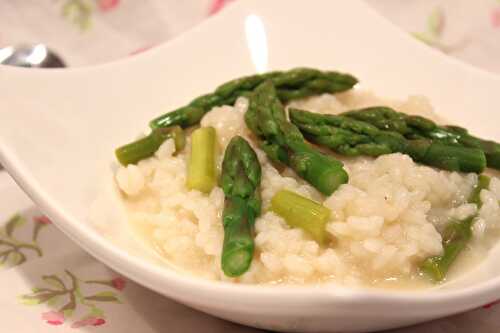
{"x":33,"y":56}
{"x":58,"y":144}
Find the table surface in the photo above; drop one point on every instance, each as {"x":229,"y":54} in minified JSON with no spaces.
{"x":55,"y":286}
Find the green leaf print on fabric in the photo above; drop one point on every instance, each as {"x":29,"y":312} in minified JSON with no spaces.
{"x":434,"y":29}
{"x":14,"y":250}
{"x":69,"y":296}
{"x":79,"y":12}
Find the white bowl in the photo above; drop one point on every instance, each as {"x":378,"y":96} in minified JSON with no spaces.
{"x":58,"y":130}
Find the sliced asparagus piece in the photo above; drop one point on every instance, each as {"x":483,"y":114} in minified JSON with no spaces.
{"x":301,"y":212}
{"x":455,"y":237}
{"x":148,"y":145}
{"x":201,"y":169}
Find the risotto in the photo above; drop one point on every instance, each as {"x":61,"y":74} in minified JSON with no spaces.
{"x":384,"y":222}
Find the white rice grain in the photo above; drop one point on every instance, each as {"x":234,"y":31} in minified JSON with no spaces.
{"x":383,"y":223}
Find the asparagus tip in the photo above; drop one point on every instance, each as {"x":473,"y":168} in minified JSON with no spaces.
{"x":236,"y":262}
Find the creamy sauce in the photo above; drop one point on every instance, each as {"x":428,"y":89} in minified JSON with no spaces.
{"x":466,"y":262}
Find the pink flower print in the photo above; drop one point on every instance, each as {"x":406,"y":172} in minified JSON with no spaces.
{"x":489,"y":305}
{"x":99,"y":322}
{"x":53,"y":317}
{"x":140,"y":50}
{"x":495,"y":18}
{"x":218,"y":5}
{"x":42,"y":219}
{"x":105,"y":5}
{"x":89,"y":321}
{"x":118,"y":283}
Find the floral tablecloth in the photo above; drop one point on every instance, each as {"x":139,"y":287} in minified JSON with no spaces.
{"x":49,"y":284}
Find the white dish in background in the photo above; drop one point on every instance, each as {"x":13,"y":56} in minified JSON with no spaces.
{"x":58,"y":130}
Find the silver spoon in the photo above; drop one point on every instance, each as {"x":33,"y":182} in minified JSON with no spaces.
{"x":34,"y":56}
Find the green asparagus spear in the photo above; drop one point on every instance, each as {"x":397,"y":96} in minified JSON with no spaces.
{"x":414,"y":127}
{"x":301,"y":212}
{"x":292,"y":84}
{"x":241,"y":175}
{"x":455,"y":237}
{"x":283,"y":142}
{"x":201,"y":169}
{"x":147,"y":146}
{"x":353,"y":137}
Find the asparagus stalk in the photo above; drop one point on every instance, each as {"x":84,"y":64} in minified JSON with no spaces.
{"x":419,"y":127}
{"x":241,"y":175}
{"x":353,"y":137}
{"x":283,"y":142}
{"x":201,"y":168}
{"x":292,"y":84}
{"x":490,"y":148}
{"x":455,"y":237}
{"x":301,"y":212}
{"x":148,"y":145}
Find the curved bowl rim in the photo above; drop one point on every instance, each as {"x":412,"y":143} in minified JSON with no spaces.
{"x":111,"y":255}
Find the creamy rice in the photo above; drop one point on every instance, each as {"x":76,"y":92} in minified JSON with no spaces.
{"x":384,"y":222}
